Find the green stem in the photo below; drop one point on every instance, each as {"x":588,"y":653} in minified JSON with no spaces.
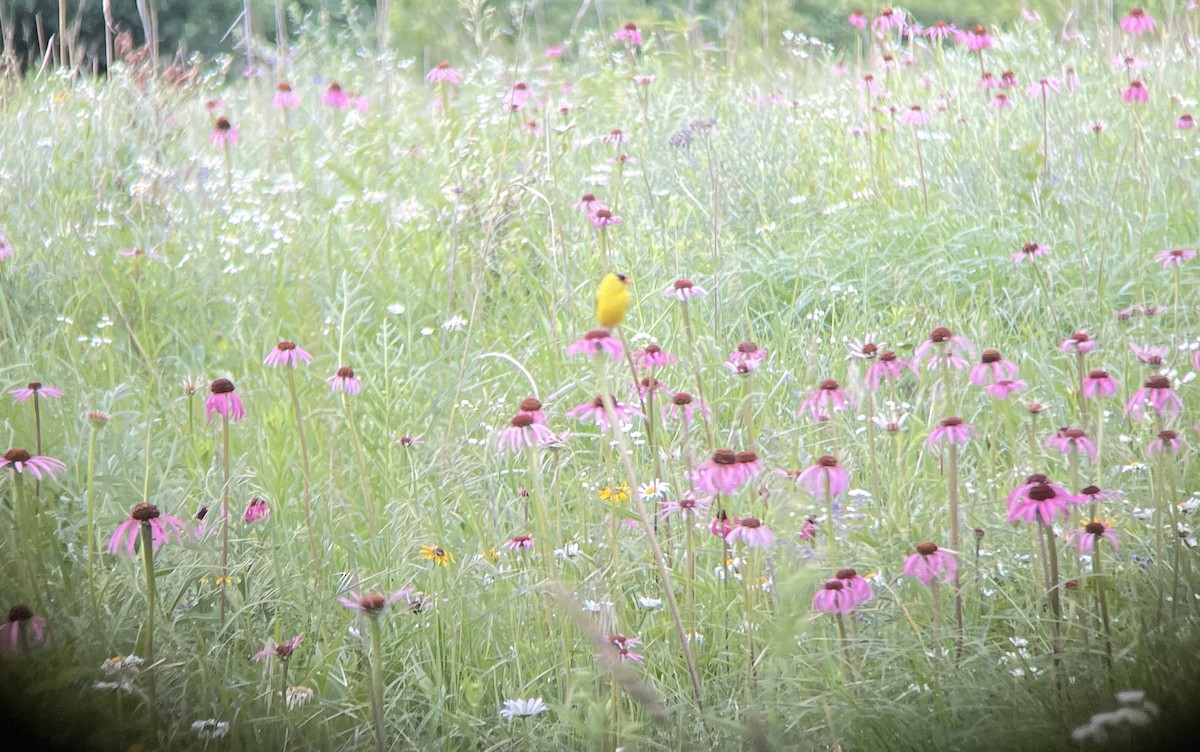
{"x":377,"y":683}
{"x":224,"y":513}
{"x":1102,"y":602}
{"x":307,"y":476}
{"x":151,"y":593}
{"x":91,"y":514}
{"x":952,"y":493}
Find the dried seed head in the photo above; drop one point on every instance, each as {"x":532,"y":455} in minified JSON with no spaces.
{"x":827,"y":460}
{"x":521,"y":420}
{"x":724,"y":457}
{"x":846,"y":574}
{"x":97,"y":418}
{"x":1090,"y":491}
{"x":990,"y":356}
{"x":1167,"y":435}
{"x":747,"y":456}
{"x":927,"y":549}
{"x":682,"y":398}
{"x":1094,"y":528}
{"x":530,"y":405}
{"x":750,"y":522}
{"x":1158,"y":382}
{"x":1042,"y":492}
{"x":200,"y":515}
{"x":979,"y":534}
{"x":286,"y":345}
{"x":19,"y":612}
{"x":1071,"y":585}
{"x":940,"y":334}
{"x":221,"y":386}
{"x":1098,"y":374}
{"x":222,"y":124}
{"x":829,"y":385}
{"x":144,"y":512}
{"x":17,"y":455}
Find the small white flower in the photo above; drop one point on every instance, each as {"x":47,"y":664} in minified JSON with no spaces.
{"x":211,"y":728}
{"x":569,"y":551}
{"x":595,"y":607}
{"x":649,"y":603}
{"x":396,"y":309}
{"x":1131,"y":697}
{"x":125,"y":685}
{"x":523,"y":708}
{"x":119,"y":663}
{"x":653,"y":491}
{"x":695,"y":637}
{"x":297,"y":696}
{"x":454,"y":324}
{"x":426,"y":331}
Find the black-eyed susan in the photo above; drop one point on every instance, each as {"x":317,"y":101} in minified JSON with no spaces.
{"x":438,"y":555}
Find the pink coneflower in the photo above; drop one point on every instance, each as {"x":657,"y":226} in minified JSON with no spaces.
{"x":23,"y":394}
{"x":930,"y":563}
{"x":1185,"y":122}
{"x":162,"y":527}
{"x":523,"y":432}
{"x":747,"y":352}
{"x":1137,"y":22}
{"x":1072,"y":80}
{"x":442,"y":73}
{"x":596,"y":342}
{"x":1157,"y":392}
{"x":518,"y":542}
{"x":1095,"y":495}
{"x":409,"y":441}
{"x":856,"y":585}
{"x":223,"y":401}
{"x":687,"y":508}
{"x":588,"y":204}
{"x":889,"y":18}
{"x":720,"y":474}
{"x":1069,"y":440}
{"x":988,"y":80}
{"x":623,"y":646}
{"x":940,"y":30}
{"x":281,"y":650}
{"x":595,"y":412}
{"x":1004,"y":388}
{"x":915,"y":116}
{"x":140,"y":253}
{"x":1098,"y":384}
{"x":1085,"y":538}
{"x":653,"y":356}
{"x":21,"y":460}
{"x":629,"y":34}
{"x":683,"y":405}
{"x":751,"y":532}
{"x":1151,"y":355}
{"x":684,"y":290}
{"x":604,"y":218}
{"x":865,"y":349}
{"x":554,"y":53}
{"x":223,"y":134}
{"x":857,"y":20}
{"x":21,"y":631}
{"x":888,"y":367}
{"x":951,"y":430}
{"x":649,"y":386}
{"x":6,"y":248}
{"x":1167,"y":441}
{"x":1030,"y":16}
{"x":825,"y":474}
{"x":643,"y":80}
{"x":257,"y":510}
{"x":1030,"y":251}
{"x":1135,"y":93}
{"x":748,"y":465}
{"x":344,"y":381}
{"x":285,"y":98}
{"x":288,"y":354}
{"x":869,"y":86}
{"x":1043,"y":501}
{"x":1008,"y":80}
{"x":517,"y":97}
{"x":833,"y":598}
{"x":1174,"y":257}
{"x":373,"y":604}
{"x":721,"y":525}
{"x":975,"y":39}
{"x":828,"y":398}
{"x":335,"y":97}
{"x":992,"y":367}
{"x":532,"y":407}
{"x":947,"y":344}
{"x":615,"y":137}
{"x":1079,"y":342}
{"x":1001,"y":102}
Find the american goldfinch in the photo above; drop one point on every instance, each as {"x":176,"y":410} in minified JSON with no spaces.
{"x":612,"y":300}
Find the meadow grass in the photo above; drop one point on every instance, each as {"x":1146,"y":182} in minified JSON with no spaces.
{"x":438,"y":254}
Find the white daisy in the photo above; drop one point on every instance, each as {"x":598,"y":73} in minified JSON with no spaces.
{"x":523,"y":708}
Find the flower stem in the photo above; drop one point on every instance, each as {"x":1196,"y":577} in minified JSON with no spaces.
{"x":306,"y":474}
{"x":224,"y":513}
{"x":691,"y":338}
{"x":37,"y":434}
{"x":833,"y":550}
{"x":151,"y":592}
{"x":91,"y":514}
{"x":1052,"y":590}
{"x":377,"y":683}
{"x":952,"y":494}
{"x":1102,"y":602}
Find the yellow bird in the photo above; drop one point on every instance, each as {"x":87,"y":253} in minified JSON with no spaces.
{"x":612,"y":300}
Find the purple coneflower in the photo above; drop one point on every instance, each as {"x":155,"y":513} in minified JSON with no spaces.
{"x":603,"y":218}
{"x":1001,"y":102}
{"x":948,"y":344}
{"x":915,"y":116}
{"x":930,"y":563}
{"x":21,"y":631}
{"x":333,"y":96}
{"x":857,"y":20}
{"x":6,"y":248}
{"x":992,"y":367}
{"x":940,"y":30}
{"x":23,"y":394}
{"x":1043,"y":501}
{"x":285,"y":98}
{"x":595,"y":412}
{"x":952,"y":430}
{"x":653,"y":356}
{"x":442,"y":73}
{"x":975,"y":39}
{"x":1185,"y":122}
{"x":833,"y":598}
{"x":752,"y":532}
{"x":1043,"y":88}
{"x":223,"y":134}
{"x":684,"y":290}
{"x":1079,"y":342}
{"x":615,"y":137}
{"x":889,"y":18}
{"x":828,"y":398}
{"x":683,"y":405}
{"x":287,"y":353}
{"x":223,"y":400}
{"x":532,"y":407}
{"x":825,"y":474}
{"x":20,"y":460}
{"x":373,"y":604}
{"x":1004,"y":388}
{"x":162,"y":527}
{"x":517,"y":97}
{"x":1137,"y":22}
{"x":1151,"y":355}
{"x":1095,"y":494}
{"x":1098,"y":384}
{"x":257,"y":510}
{"x":595,"y":342}
{"x":1174,"y":257}
{"x":1085,"y":538}
{"x":1157,"y":392}
{"x":1069,"y":440}
{"x":856,"y":585}
{"x":588,"y":204}
{"x":1167,"y":441}
{"x":344,"y":381}
{"x":629,"y":34}
{"x":887,"y":367}
{"x":719,"y":474}
{"x":523,"y":432}
{"x":1135,"y":93}
{"x":1030,"y":251}
{"x":649,"y":386}
{"x":687,"y":508}
{"x":281,"y":650}
{"x":518,"y":542}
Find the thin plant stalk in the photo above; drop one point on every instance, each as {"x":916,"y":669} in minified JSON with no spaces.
{"x":151,"y":594}
{"x":691,"y":338}
{"x":748,"y":409}
{"x":952,"y":495}
{"x":306,"y":475}
{"x":91,"y":512}
{"x":921,"y":168}
{"x":377,"y":682}
{"x":1102,"y":602}
{"x":363,"y":476}
{"x":226,"y":480}
{"x":1053,"y":595}
{"x":37,"y":438}
{"x":833,"y":548}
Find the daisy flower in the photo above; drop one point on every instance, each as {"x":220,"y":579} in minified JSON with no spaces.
{"x":522,"y":708}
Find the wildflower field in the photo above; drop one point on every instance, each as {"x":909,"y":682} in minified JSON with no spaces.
{"x":878,"y":436}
